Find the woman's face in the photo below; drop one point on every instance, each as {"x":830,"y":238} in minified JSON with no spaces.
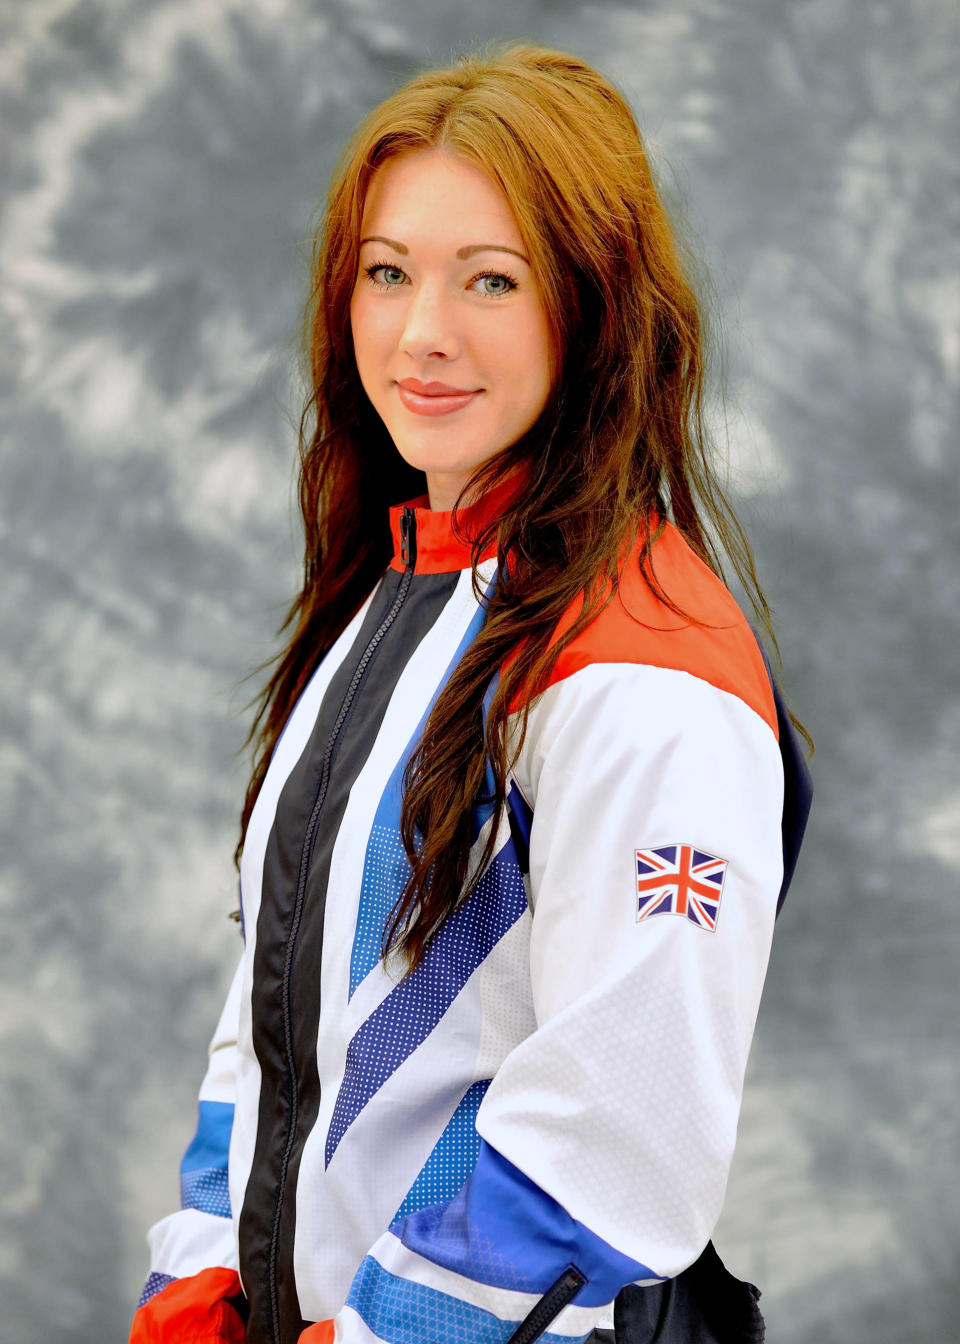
{"x":427,"y":314}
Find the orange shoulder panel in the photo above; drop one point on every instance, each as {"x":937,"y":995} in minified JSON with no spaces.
{"x":637,"y":626}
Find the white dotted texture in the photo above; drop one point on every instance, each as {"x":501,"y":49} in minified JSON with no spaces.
{"x":507,"y":1015}
{"x":626,"y":1112}
{"x":623,"y":1103}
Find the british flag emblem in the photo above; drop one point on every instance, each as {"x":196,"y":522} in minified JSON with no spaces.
{"x":680,"y":880}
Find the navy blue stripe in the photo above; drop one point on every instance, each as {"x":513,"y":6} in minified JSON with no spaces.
{"x":797,"y":785}
{"x":155,"y":1284}
{"x":483,"y":810}
{"x":410,"y":1012}
{"x":521,"y":820}
{"x":519,"y":812}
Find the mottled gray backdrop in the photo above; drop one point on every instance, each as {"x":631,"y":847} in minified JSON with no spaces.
{"x":162,"y":160}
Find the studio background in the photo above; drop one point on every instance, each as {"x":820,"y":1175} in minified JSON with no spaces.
{"x":162,"y":162}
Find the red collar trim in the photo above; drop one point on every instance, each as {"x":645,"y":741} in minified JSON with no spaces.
{"x":438,"y":550}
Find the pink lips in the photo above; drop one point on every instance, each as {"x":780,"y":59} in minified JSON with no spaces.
{"x":434,"y":389}
{"x":433,"y":398}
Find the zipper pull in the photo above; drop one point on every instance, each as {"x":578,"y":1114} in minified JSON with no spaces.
{"x":408,"y":538}
{"x":562,"y":1291}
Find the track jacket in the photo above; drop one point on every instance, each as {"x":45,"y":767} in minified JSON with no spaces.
{"x":545,"y":1111}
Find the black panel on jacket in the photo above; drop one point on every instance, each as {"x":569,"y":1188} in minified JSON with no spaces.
{"x":282,"y":1093}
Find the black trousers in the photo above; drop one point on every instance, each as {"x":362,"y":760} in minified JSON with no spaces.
{"x":706,"y":1304}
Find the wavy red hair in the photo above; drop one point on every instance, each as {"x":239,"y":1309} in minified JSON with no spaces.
{"x":621,"y":439}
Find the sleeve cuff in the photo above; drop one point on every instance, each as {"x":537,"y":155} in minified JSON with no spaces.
{"x":194,"y":1310}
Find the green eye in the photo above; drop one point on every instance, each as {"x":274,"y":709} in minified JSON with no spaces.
{"x":370,"y":272}
{"x":382,"y":266}
{"x":497,"y":275}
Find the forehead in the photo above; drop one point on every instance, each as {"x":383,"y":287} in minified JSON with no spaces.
{"x":432,"y":193}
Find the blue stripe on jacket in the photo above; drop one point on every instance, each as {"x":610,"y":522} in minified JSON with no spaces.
{"x":203,"y":1171}
{"x":386,"y":867}
{"x":453,"y":1158}
{"x":411,"y":1011}
{"x":400,"y":1311}
{"x":503,"y":1230}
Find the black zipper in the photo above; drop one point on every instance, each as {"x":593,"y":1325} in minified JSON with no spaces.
{"x":408,"y":553}
{"x":550,"y":1305}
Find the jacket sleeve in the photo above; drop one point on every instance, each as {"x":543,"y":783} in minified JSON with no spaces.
{"x":193,"y":1291}
{"x":606,"y":1136}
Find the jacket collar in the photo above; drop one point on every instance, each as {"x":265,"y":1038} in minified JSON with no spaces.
{"x":438,"y":550}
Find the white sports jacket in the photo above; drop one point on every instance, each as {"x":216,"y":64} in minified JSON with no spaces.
{"x":546,"y":1109}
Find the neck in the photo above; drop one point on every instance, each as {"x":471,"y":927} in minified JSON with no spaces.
{"x":437,"y":548}
{"x":443,"y":491}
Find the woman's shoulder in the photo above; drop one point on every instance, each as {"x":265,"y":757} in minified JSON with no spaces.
{"x":637,"y":626}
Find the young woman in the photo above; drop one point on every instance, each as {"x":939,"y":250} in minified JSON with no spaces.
{"x":526,"y":799}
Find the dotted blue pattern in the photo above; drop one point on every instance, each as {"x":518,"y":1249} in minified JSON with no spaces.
{"x":207,"y":1191}
{"x":453,"y":1158}
{"x":154,"y":1284}
{"x":386,"y":866}
{"x":385,"y":872}
{"x":203,"y":1171}
{"x":400,"y":1311}
{"x":409,"y":1013}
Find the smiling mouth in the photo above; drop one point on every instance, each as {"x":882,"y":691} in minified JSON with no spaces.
{"x":438,"y":392}
{"x":435,"y":403}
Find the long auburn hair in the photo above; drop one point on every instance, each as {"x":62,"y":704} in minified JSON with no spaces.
{"x":621,"y":437}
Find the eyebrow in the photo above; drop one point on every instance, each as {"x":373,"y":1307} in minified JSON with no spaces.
{"x":462,"y":252}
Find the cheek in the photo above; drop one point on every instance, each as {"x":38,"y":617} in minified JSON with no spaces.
{"x":523,"y":359}
{"x":370,"y":328}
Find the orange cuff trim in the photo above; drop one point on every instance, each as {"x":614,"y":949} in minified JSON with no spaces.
{"x":321,"y":1333}
{"x":193,"y":1310}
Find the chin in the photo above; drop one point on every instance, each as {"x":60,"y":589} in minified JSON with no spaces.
{"x":433,"y":457}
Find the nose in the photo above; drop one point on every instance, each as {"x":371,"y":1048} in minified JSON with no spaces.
{"x":430,"y":325}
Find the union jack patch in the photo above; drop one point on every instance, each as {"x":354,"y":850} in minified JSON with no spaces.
{"x":680,"y":880}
